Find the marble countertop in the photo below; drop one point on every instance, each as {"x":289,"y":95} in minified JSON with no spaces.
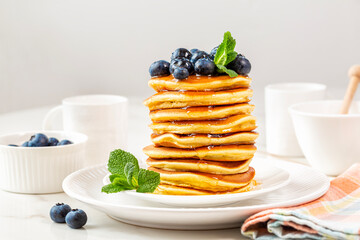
{"x":25,"y":216}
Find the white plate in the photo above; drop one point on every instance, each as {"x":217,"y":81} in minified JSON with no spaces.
{"x":305,"y":184}
{"x":269,"y":176}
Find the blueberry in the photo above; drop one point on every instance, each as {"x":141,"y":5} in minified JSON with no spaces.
{"x":64,"y":142}
{"x":240,"y":65}
{"x":194,"y":50}
{"x":182,"y":62}
{"x":159,"y":68}
{"x":180,"y":73}
{"x":205,"y":66}
{"x":59,"y":211}
{"x":198,"y":55}
{"x":213,"y":52}
{"x":76,"y":218}
{"x":38,"y":140}
{"x":13,"y":145}
{"x":25,"y":144}
{"x":181,"y":52}
{"x":53,"y":141}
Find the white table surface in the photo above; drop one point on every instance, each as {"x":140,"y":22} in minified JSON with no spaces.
{"x":27,"y":216}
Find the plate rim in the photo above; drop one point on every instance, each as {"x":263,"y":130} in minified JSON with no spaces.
{"x":320,"y":192}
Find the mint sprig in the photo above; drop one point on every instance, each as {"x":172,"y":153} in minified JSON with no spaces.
{"x":225,"y":54}
{"x":126,"y":174}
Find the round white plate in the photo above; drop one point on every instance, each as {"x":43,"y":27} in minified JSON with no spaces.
{"x":305,"y":184}
{"x":269,"y":176}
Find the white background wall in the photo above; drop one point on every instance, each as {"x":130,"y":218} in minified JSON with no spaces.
{"x":50,"y":49}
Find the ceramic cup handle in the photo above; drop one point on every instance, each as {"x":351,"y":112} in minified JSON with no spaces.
{"x":50,"y":118}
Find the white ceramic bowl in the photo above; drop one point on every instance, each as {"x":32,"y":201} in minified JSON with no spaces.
{"x":329,"y":140}
{"x":39,"y":170}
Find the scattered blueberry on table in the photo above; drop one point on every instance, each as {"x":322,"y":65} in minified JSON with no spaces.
{"x":221,"y":60}
{"x":59,"y":211}
{"x":74,"y":218}
{"x":41,"y":140}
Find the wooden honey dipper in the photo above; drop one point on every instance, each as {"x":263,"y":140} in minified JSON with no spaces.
{"x":354,"y":75}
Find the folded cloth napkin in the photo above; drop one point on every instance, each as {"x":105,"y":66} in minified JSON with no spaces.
{"x":336,"y":215}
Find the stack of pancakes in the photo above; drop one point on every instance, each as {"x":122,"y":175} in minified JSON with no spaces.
{"x":203,"y":134}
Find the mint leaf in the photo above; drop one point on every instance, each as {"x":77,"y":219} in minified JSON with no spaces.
{"x":225,"y":54}
{"x":148,"y":181}
{"x":118,"y":160}
{"x":130,"y":174}
{"x":120,"y":178}
{"x":230,"y":72}
{"x":112,"y":188}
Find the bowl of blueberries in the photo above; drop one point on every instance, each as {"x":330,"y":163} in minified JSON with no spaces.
{"x":37,"y":162}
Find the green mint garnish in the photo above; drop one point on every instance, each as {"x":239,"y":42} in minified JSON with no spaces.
{"x":225,"y":54}
{"x":126,"y":174}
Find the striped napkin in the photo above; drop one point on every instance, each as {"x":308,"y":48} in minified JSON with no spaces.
{"x":336,"y":215}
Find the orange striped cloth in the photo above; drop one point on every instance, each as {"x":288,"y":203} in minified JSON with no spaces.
{"x":336,"y":215}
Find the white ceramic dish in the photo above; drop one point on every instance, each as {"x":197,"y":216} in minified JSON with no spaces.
{"x":39,"y":169}
{"x":305,"y":184}
{"x":329,"y":140}
{"x":268,"y":176}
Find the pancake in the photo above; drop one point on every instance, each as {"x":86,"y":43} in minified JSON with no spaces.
{"x":200,"y":113}
{"x":172,"y":99}
{"x":205,"y":181}
{"x":214,"y":153}
{"x":199,"y":83}
{"x":237,"y":123}
{"x":167,"y":189}
{"x":201,"y":140}
{"x":192,"y":165}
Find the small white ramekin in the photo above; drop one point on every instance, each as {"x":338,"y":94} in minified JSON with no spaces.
{"x":38,"y":170}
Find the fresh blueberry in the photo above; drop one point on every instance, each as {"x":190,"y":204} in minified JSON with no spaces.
{"x":240,"y":65}
{"x":194,"y":50}
{"x":59,"y":211}
{"x":53,"y":141}
{"x":38,"y":140}
{"x":181,"y":73}
{"x":13,"y":145}
{"x":205,"y":66}
{"x":25,"y":144}
{"x":181,"y":53}
{"x":76,"y":218}
{"x":64,"y":142}
{"x":213,"y":52}
{"x":182,"y":62}
{"x":198,"y":55}
{"x":159,"y":68}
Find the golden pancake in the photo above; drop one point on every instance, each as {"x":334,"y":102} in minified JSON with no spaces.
{"x":215,"y":153}
{"x":199,"y":83}
{"x":200,"y":113}
{"x":172,"y":99}
{"x":166,"y":189}
{"x":192,"y":165}
{"x":237,"y":123}
{"x":201,"y":140}
{"x":206,"y":181}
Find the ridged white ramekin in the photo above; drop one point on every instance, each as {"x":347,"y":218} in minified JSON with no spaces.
{"x":37,"y":170}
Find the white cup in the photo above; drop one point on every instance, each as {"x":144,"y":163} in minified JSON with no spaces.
{"x":329,"y":140}
{"x":280,"y":135}
{"x":103,"y":118}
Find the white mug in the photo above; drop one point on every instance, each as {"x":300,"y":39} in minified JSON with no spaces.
{"x":103,"y":118}
{"x":280,"y":134}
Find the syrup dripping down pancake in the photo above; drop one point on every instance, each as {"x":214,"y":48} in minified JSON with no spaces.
{"x":166,"y":189}
{"x":193,"y":165}
{"x":170,"y":99}
{"x":205,"y":181}
{"x":201,"y":140}
{"x":199,"y":83}
{"x":237,"y":123}
{"x":200,"y":113}
{"x":214,"y":153}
